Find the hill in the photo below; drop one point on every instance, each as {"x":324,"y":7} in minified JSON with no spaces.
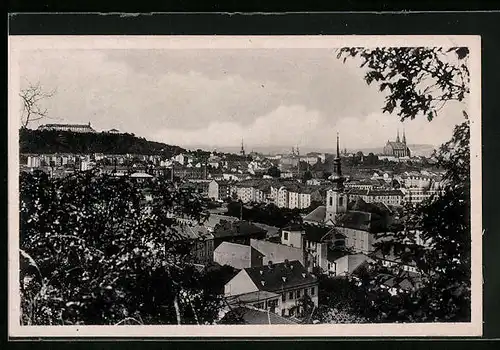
{"x":51,"y":141}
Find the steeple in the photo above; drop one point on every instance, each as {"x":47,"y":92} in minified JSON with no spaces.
{"x":397,"y":138}
{"x":242,"y":151}
{"x":337,"y":169}
{"x":404,"y":137}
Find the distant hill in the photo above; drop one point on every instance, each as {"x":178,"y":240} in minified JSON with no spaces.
{"x":51,"y":141}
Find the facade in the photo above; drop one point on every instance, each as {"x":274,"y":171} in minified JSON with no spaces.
{"x":291,"y":284}
{"x":84,"y":128}
{"x":202,"y":251}
{"x":387,"y":197}
{"x":219,"y":190}
{"x":397,"y":148}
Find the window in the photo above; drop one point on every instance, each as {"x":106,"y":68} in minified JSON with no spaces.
{"x":312,"y":291}
{"x":290,"y":295}
{"x":285,"y":236}
{"x":283,"y":297}
{"x":331,"y":201}
{"x":298,"y":294}
{"x":282,"y":312}
{"x":341,"y":201}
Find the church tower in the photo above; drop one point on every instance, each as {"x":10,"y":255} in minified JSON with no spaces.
{"x":336,"y":198}
{"x":397,"y":138}
{"x":242,"y":151}
{"x":404,"y":137}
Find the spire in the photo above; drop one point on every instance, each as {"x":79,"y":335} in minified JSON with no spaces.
{"x":242,"y":151}
{"x":338,"y":146}
{"x":404,"y":136}
{"x":337,"y":169}
{"x":397,"y":139}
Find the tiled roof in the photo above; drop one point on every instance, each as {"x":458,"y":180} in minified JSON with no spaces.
{"x":317,"y":215}
{"x":187,"y":231}
{"x":277,"y":252}
{"x":239,"y":250}
{"x":316,"y":233}
{"x":237,"y":228}
{"x":397,"y":145}
{"x":251,"y":297}
{"x":357,"y":220}
{"x":251,"y":315}
{"x":280,"y":276}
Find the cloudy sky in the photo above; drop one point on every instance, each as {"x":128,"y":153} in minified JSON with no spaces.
{"x":216,"y":97}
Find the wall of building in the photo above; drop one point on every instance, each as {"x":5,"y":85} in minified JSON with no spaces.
{"x":292,"y":238}
{"x":240,"y":284}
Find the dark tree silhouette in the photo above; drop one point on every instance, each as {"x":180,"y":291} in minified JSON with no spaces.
{"x":94,"y":251}
{"x":419,"y":82}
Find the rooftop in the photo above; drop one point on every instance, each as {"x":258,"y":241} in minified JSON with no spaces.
{"x":251,"y":315}
{"x":275,"y":277}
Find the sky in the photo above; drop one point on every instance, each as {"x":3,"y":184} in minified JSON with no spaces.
{"x":214,"y":98}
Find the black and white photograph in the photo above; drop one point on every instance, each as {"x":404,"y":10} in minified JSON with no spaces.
{"x":245,"y":186}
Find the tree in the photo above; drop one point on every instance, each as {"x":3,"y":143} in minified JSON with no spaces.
{"x":93,"y":251}
{"x":307,"y":176}
{"x":274,"y":171}
{"x":420,"y":81}
{"x":31,"y":98}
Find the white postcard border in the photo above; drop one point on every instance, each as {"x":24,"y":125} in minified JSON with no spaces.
{"x":19,"y":43}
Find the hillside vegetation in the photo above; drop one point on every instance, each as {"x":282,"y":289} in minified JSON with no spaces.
{"x":50,"y":141}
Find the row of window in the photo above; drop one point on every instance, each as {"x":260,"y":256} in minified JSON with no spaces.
{"x":307,"y":291}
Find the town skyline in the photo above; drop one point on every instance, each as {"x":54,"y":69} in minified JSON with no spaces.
{"x":228,"y":101}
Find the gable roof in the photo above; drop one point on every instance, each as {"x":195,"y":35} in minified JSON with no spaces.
{"x":396,"y":145}
{"x":277,"y":252}
{"x":237,"y":228}
{"x":280,"y":276}
{"x":317,"y":215}
{"x":187,"y":231}
{"x":260,"y":295}
{"x":252,"y":315}
{"x":357,"y":220}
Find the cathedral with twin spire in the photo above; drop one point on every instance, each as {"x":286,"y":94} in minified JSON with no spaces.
{"x":397,"y":148}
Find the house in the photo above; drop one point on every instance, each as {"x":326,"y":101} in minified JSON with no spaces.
{"x":278,"y":253}
{"x":237,"y":255}
{"x":202,"y":250}
{"x":387,"y":197}
{"x":237,"y":232}
{"x":219,"y":190}
{"x":341,"y":262}
{"x":294,"y":289}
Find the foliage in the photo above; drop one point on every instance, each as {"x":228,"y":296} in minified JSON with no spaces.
{"x":93,"y":251}
{"x":52,"y":141}
{"x":274,"y":172}
{"x":435,"y":237}
{"x":416,"y":80}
